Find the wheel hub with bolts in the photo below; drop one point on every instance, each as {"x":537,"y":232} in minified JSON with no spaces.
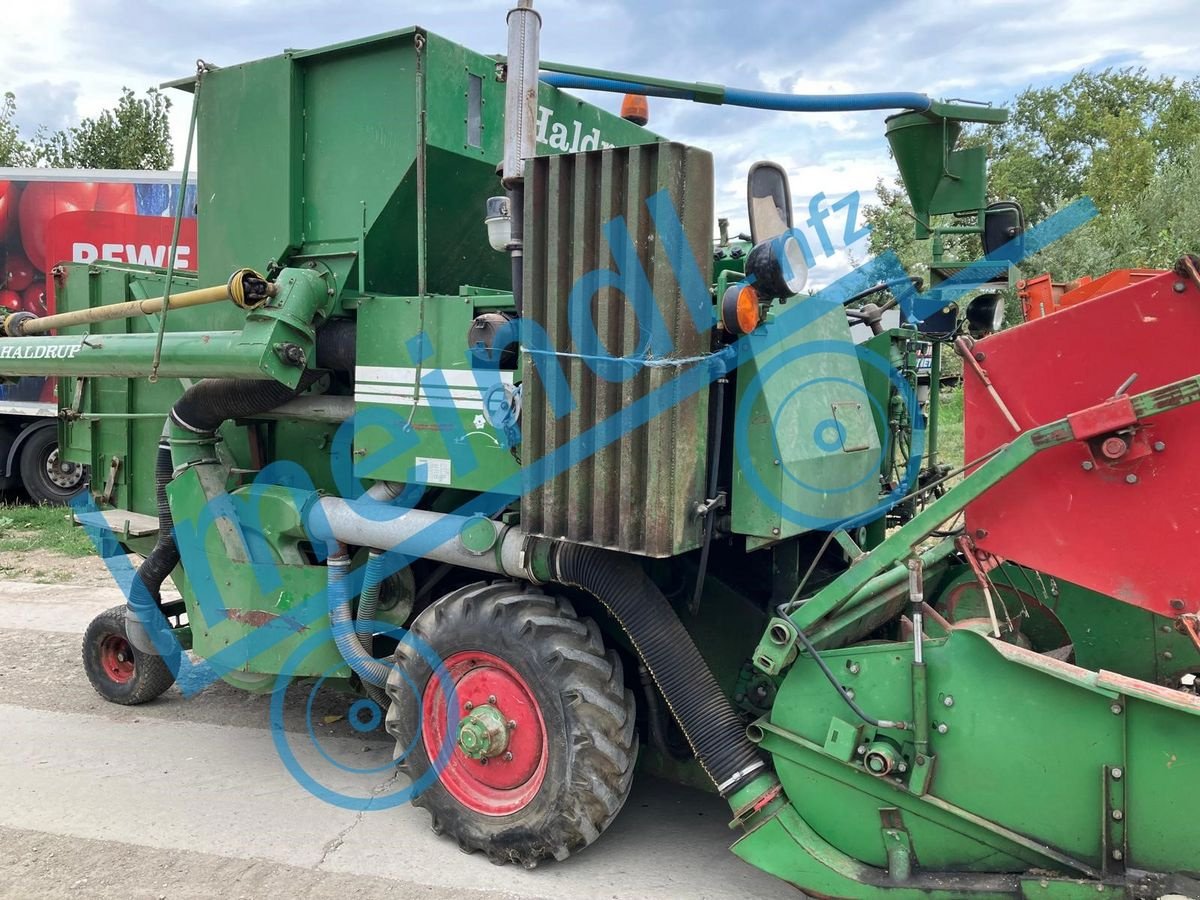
{"x":483,"y":733}
{"x":64,"y":474}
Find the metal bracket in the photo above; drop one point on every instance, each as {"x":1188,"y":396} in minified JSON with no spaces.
{"x":110,"y":484}
{"x":897,"y":843}
{"x":848,"y":544}
{"x":1191,"y":624}
{"x":1113,"y":826}
{"x":1114,"y":414}
{"x":75,"y":410}
{"x":715,"y":503}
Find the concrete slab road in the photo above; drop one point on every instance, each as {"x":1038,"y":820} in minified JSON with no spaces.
{"x":188,"y":797}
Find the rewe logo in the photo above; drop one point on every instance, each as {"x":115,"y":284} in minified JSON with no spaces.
{"x":138,"y":254}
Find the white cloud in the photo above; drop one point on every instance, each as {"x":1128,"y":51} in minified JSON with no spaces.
{"x":70,"y":58}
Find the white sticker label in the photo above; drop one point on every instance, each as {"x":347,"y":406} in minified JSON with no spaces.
{"x":433,"y":470}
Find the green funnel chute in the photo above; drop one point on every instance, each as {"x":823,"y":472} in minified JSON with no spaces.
{"x":940,"y":180}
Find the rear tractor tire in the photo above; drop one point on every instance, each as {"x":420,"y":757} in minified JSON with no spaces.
{"x":543,"y":756}
{"x":119,"y":672}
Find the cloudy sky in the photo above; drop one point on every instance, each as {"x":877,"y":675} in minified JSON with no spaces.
{"x":65,"y":59}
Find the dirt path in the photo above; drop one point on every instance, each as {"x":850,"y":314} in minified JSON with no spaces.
{"x":188,"y":796}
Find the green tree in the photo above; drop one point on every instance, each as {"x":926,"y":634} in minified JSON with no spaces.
{"x":14,"y":151}
{"x":1117,"y":136}
{"x":1151,"y":230}
{"x":134,"y":135}
{"x":1101,"y":134}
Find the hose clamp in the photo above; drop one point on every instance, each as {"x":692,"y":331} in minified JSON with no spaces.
{"x":182,"y":424}
{"x":728,"y":784}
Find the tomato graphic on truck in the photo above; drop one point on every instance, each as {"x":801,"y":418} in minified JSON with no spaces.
{"x":48,"y":216}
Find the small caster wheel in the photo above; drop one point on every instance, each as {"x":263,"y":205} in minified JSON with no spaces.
{"x":119,"y":672}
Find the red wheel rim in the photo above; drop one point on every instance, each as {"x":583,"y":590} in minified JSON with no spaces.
{"x":116,"y":658}
{"x":505,"y":783}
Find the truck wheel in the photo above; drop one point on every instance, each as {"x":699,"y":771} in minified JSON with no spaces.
{"x":118,"y":672}
{"x":543,"y":756}
{"x":46,"y":476}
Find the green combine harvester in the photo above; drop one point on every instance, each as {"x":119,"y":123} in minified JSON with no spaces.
{"x":466,"y":411}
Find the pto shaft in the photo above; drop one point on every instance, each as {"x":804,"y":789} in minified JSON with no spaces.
{"x":245,"y":287}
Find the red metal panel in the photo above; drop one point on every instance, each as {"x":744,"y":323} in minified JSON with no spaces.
{"x":1128,"y":528}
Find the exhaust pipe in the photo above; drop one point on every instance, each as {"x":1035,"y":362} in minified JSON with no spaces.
{"x":520,"y":127}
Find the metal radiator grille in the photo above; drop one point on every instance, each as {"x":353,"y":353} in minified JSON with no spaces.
{"x":624,"y":467}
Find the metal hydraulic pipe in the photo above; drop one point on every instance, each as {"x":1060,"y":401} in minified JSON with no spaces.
{"x":417,"y":533}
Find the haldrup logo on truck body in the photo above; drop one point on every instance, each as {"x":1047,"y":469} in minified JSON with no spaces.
{"x":43,"y":352}
{"x":567,"y":137}
{"x":52,"y":216}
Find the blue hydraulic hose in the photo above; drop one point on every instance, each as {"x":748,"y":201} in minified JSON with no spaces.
{"x":751,"y":99}
{"x":827,"y":102}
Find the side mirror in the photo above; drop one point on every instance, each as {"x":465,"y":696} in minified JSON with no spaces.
{"x":777,"y":264}
{"x":769,"y":201}
{"x":1002,"y":222}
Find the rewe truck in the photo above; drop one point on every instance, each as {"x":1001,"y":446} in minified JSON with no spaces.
{"x":52,"y":216}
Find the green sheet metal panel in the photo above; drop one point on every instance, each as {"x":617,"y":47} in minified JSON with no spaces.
{"x":248,"y":141}
{"x":228,"y":599}
{"x":806,"y":451}
{"x":623,"y":464}
{"x":360,"y":146}
{"x":322,"y":152}
{"x":419,"y":403}
{"x":1008,"y":723}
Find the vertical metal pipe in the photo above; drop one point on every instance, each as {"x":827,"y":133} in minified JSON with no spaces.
{"x":516,"y":244}
{"x":520,"y":126}
{"x":521,"y":90}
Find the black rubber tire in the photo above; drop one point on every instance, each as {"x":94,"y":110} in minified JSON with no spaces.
{"x":588,"y":715}
{"x":151,"y":674}
{"x":35,"y":455}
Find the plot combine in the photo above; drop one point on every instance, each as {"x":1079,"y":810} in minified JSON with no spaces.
{"x":568,"y":490}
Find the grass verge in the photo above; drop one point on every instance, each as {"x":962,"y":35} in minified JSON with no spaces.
{"x":24,"y":528}
{"x":950,"y":427}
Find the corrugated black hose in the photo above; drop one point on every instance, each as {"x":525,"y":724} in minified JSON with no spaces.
{"x":708,"y":720}
{"x":144,"y":594}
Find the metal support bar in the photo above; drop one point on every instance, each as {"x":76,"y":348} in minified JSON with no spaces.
{"x":967,"y":352}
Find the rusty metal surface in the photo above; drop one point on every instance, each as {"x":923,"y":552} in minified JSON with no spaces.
{"x":624,"y":468}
